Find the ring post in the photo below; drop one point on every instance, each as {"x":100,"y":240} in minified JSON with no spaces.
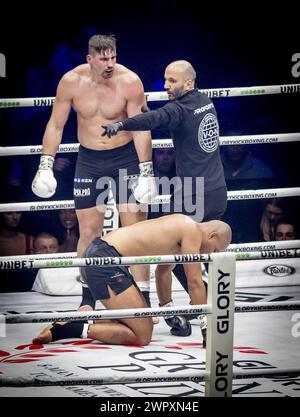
{"x":219,"y":347}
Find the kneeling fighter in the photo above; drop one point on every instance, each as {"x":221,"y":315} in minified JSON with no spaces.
{"x":115,"y":287}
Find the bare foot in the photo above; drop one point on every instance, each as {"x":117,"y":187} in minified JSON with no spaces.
{"x":45,"y":336}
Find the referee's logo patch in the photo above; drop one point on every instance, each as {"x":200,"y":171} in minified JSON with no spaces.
{"x":208,"y":133}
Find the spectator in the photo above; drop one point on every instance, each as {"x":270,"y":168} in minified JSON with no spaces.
{"x":271,"y":214}
{"x":238,"y":163}
{"x":164,"y":162}
{"x":164,"y":169}
{"x":242,"y":170}
{"x":27,"y":126}
{"x":285,"y":229}
{"x":68,"y":233}
{"x":45,"y":243}
{"x":12,"y":241}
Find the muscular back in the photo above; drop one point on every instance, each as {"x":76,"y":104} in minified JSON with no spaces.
{"x":164,"y":235}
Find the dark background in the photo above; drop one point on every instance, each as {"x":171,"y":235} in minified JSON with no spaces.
{"x":228,"y":46}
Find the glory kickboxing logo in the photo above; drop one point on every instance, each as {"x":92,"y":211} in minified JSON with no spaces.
{"x":223,"y":326}
{"x":223,"y":302}
{"x":2,"y":66}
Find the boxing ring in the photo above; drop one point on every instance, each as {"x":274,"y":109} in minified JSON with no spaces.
{"x":247,"y":354}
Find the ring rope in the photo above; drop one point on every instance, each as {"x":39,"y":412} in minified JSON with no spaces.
{"x":161,"y":143}
{"x":233,"y":247}
{"x":109,"y":261}
{"x":188,"y":375}
{"x":269,"y":306}
{"x":108,"y":314}
{"x":146,"y":312}
{"x":263,"y":193}
{"x":258,"y":246}
{"x":162,"y":95}
{"x":6,"y":264}
{"x":27,"y":381}
{"x":200,"y":376}
{"x":161,"y":199}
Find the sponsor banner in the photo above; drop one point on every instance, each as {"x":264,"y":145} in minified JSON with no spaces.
{"x":268,"y":272}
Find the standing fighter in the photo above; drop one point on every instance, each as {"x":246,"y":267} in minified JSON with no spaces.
{"x":101,"y":92}
{"x":192,"y":120}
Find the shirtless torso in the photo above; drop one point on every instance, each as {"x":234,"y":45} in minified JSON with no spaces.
{"x":171,"y":234}
{"x":96,"y":103}
{"x":16,"y":244}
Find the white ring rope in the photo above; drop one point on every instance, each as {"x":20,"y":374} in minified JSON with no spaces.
{"x":188,"y":375}
{"x":112,"y":261}
{"x":161,"y":143}
{"x":108,"y":314}
{"x":269,"y":306}
{"x":263,"y":193}
{"x":7,"y":264}
{"x":262,"y":246}
{"x":265,"y":373}
{"x":27,"y":381}
{"x":233,"y":247}
{"x":162,"y":95}
{"x":161,"y":199}
{"x":145,"y":312}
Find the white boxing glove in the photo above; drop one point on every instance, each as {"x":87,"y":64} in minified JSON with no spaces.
{"x":44,"y":183}
{"x":145,"y":190}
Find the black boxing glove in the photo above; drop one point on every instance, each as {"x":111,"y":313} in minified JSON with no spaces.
{"x":112,"y":129}
{"x":203,"y":326}
{"x":180,"y":326}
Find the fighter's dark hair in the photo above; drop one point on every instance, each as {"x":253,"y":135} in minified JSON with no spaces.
{"x":102,"y":43}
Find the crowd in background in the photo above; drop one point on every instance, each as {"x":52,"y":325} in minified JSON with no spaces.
{"x":245,"y":166}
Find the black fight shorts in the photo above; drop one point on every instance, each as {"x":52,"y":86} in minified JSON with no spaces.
{"x":99,"y":278}
{"x":96,"y":171}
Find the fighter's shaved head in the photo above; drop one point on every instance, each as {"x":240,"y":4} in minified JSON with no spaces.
{"x":221,"y":230}
{"x":183,"y":67}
